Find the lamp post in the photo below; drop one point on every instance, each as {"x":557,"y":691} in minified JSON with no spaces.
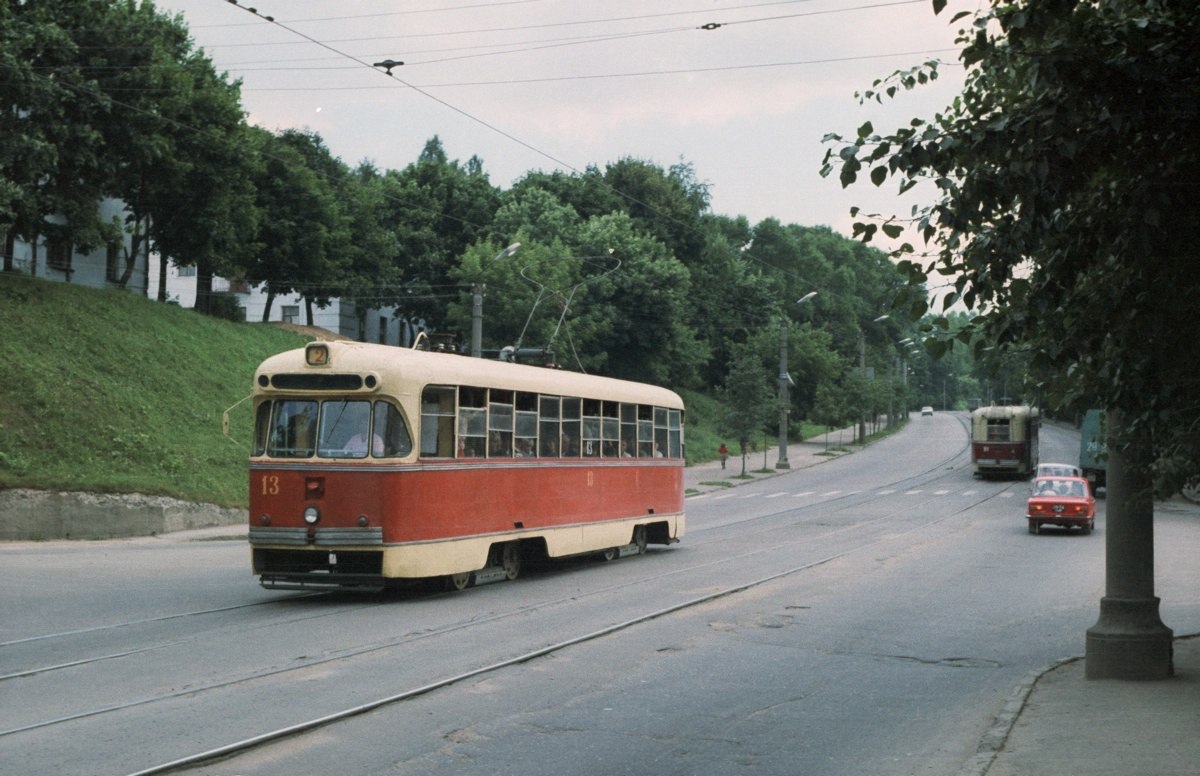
{"x":862,"y":364}
{"x":785,"y":382}
{"x":477,"y":305}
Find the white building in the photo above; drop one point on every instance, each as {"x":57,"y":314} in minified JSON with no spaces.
{"x":104,"y":268}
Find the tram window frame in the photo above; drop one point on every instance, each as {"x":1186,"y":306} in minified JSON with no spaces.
{"x":297,"y":442}
{"x":675,"y":433}
{"x":999,"y":430}
{"x":645,"y":426}
{"x":549,"y":426}
{"x":262,"y":426}
{"x":500,"y":424}
{"x":525,"y":425}
{"x":629,"y":437}
{"x":571,"y":430}
{"x":347,"y":421}
{"x":439,"y":415}
{"x":591,"y":428}
{"x":661,"y":435}
{"x":610,"y":429}
{"x":388,"y":422}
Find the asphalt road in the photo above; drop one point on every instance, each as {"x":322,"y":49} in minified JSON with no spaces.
{"x":868,"y":615}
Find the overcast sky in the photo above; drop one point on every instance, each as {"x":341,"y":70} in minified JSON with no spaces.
{"x":741,"y":90}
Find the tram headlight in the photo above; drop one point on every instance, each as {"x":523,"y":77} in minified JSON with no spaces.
{"x":312,"y":515}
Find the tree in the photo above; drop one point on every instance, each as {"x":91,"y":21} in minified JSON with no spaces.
{"x":1067,"y":210}
{"x":55,"y":121}
{"x":748,"y":400}
{"x":439,"y":207}
{"x":1066,"y":178}
{"x":299,"y":225}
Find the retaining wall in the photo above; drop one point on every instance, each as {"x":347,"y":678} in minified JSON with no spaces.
{"x":37,"y":515}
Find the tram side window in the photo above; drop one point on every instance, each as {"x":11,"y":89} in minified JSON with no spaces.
{"x":293,"y":429}
{"x":472,"y":422}
{"x":570,"y":427}
{"x":645,"y":425}
{"x":549,"y":425}
{"x":675,"y":429}
{"x":591,"y":428}
{"x":346,"y":430}
{"x":628,"y":430}
{"x":437,"y":421}
{"x":660,"y":432}
{"x":997,"y":430}
{"x":500,"y":424}
{"x":610,"y":429}
{"x":390,"y":425}
{"x":262,"y":427}
{"x":526,"y":425}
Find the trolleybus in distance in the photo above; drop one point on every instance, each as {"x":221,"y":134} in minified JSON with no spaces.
{"x":374,"y":464}
{"x":1004,"y":440}
{"x":1093,"y":449}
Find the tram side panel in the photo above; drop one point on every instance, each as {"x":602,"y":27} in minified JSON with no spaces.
{"x":432,"y":520}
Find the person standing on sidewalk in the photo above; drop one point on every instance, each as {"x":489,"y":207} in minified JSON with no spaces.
{"x":723,"y":451}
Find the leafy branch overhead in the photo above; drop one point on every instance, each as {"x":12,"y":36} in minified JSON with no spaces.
{"x":1065,"y":201}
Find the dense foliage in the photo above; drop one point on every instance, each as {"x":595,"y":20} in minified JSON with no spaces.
{"x":1067,"y":208}
{"x":622,"y":269}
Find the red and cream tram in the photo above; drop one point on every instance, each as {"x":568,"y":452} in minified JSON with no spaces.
{"x":1004,"y":440}
{"x":374,"y":463}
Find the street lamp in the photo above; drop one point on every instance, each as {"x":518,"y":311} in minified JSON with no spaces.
{"x":862,"y":365}
{"x":785,"y":382}
{"x":477,"y":305}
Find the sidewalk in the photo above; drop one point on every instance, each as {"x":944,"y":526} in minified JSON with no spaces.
{"x":1056,"y":722}
{"x":707,"y":477}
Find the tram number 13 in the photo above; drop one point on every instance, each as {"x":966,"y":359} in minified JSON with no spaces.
{"x":270,"y":485}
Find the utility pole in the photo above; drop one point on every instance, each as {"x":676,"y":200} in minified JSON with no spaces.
{"x":477,"y":304}
{"x":784,"y":379}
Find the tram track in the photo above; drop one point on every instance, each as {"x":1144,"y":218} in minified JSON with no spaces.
{"x":461,"y":625}
{"x":251,"y":743}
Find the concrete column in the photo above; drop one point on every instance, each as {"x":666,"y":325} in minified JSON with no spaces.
{"x":1129,"y":640}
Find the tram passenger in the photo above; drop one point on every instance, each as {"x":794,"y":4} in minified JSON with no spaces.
{"x":356,"y":446}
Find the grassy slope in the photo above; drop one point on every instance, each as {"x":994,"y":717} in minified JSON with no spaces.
{"x":106,"y":391}
{"x":110,"y":392}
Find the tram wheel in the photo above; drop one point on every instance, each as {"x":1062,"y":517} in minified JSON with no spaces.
{"x":639,"y":538}
{"x":459,"y":581}
{"x":510,"y":560}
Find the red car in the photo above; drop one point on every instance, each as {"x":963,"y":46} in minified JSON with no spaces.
{"x":1062,"y":501}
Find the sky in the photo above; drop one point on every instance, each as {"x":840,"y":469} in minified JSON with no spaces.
{"x":741,"y":90}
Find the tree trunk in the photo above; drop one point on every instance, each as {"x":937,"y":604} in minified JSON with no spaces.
{"x":162,"y":277}
{"x":135,"y":243}
{"x":204,"y":280}
{"x":308,"y":315}
{"x":267,"y":305}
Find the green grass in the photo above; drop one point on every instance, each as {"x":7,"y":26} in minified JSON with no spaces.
{"x":107,"y":391}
